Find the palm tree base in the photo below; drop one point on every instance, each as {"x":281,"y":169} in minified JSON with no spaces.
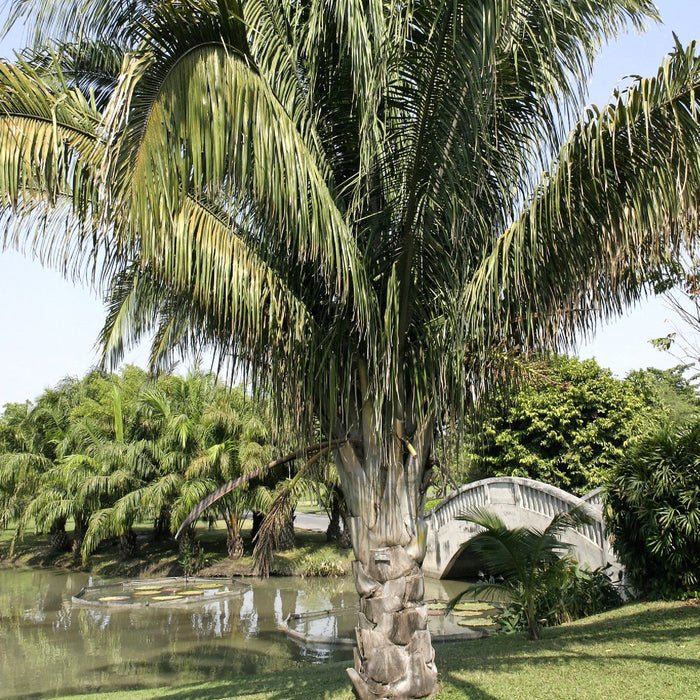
{"x":234,"y":546}
{"x":394,"y":657}
{"x":128,"y":545}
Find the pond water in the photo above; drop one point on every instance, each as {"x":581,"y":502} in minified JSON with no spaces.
{"x":49,"y":645}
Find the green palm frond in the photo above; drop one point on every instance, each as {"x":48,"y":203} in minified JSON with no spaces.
{"x":621,"y":196}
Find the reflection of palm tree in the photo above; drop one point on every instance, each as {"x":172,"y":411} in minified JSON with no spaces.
{"x":529,"y":561}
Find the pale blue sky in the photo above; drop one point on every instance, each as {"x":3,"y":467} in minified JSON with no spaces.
{"x":48,"y":326}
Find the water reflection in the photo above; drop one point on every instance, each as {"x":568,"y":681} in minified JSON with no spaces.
{"x":49,"y":646}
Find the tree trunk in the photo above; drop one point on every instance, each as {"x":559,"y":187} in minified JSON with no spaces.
{"x":81,"y":526}
{"x":58,"y":536}
{"x":385,"y":489}
{"x":234,"y":538}
{"x":394,"y":657}
{"x":127,"y":545}
{"x":258,"y":519}
{"x":334,"y":530}
{"x":161,"y":525}
{"x":285,"y":539}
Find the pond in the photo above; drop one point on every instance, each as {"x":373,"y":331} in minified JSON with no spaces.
{"x":49,"y":645}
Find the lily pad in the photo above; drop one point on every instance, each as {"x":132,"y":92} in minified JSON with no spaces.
{"x":208,"y":586}
{"x":467,"y":613}
{"x":475,"y":605}
{"x":147,"y":593}
{"x":191,"y":593}
{"x":113,"y":598}
{"x":160,"y":598}
{"x":476,"y":622}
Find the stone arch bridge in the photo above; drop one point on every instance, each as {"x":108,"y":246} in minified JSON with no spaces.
{"x":518,"y":502}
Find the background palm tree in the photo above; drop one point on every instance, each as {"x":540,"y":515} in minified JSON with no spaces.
{"x":357,"y":205}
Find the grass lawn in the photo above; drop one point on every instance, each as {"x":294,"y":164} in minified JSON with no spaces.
{"x":641,"y":651}
{"x":311,"y":555}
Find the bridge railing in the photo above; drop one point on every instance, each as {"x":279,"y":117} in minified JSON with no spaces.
{"x":531,"y":495}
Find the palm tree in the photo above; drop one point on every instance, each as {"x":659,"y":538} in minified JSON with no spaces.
{"x":358,"y":205}
{"x":532,"y":563}
{"x":26,"y":473}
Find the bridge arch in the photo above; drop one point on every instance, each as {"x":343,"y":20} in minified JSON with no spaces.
{"x":518,"y":502}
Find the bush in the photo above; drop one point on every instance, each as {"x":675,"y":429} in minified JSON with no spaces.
{"x":576,"y":593}
{"x":530,"y":576}
{"x":313,"y":566}
{"x":653,"y":511}
{"x":567,"y":427}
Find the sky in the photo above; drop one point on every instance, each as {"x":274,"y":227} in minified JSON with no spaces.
{"x":48,"y":326}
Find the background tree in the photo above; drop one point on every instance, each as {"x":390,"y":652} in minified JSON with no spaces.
{"x":354,"y":205}
{"x":567,"y":426}
{"x":670,"y":395}
{"x":653,"y":511}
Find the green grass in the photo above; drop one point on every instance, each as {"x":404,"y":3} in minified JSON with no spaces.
{"x":638,"y":652}
{"x":311,"y":555}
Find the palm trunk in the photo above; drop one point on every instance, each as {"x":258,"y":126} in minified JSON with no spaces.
{"x":234,"y":538}
{"x":81,"y":526}
{"x":258,"y":519}
{"x":58,"y":536}
{"x":394,"y":657}
{"x":334,"y":530}
{"x":161,"y":525}
{"x":128,"y":545}
{"x":385,"y":492}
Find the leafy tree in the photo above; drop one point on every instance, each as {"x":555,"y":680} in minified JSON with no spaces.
{"x":670,"y":395}
{"x":23,"y":473}
{"x":653,"y":511}
{"x":90,"y":462}
{"x":360,"y":206}
{"x":567,"y":426}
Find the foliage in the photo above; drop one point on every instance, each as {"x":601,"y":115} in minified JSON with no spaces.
{"x":566,"y":426}
{"x":578,"y":593}
{"x":525,"y":567}
{"x":192,"y":558}
{"x":671,"y":395}
{"x":315,"y":566}
{"x":106,"y":450}
{"x":653,"y":511}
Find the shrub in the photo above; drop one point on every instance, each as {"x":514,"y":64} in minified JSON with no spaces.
{"x":528,"y":574}
{"x":653,"y":511}
{"x":313,"y":566}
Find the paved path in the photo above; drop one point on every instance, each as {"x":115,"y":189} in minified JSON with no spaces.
{"x":311,"y":521}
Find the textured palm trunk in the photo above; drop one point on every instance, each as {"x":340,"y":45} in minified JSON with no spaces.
{"x":161,"y":524}
{"x":234,"y":538}
{"x":394,"y":657}
{"x":128,"y":545}
{"x":385,"y":491}
{"x":59,"y":536}
{"x":81,"y":525}
{"x":334,"y":530}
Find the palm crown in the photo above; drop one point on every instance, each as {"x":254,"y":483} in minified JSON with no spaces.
{"x":355,"y":202}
